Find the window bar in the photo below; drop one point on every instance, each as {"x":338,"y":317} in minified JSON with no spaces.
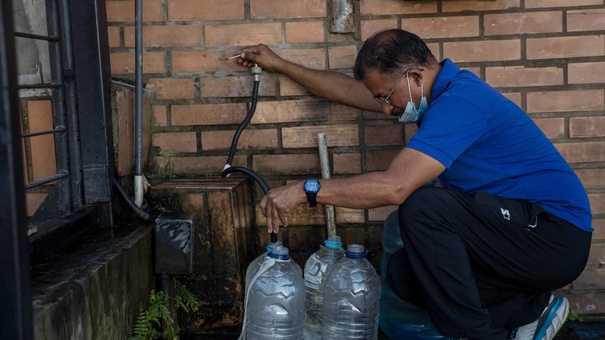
{"x":77,"y":182}
{"x":40,"y":86}
{"x":36,"y":36}
{"x":65,"y":203}
{"x":42,"y":133}
{"x":46,"y":180}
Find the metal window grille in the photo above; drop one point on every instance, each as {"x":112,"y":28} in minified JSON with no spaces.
{"x":75,"y":82}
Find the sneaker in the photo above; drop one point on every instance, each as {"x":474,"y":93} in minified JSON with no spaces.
{"x":548,"y":324}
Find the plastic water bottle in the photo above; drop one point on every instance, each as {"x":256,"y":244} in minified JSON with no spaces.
{"x":400,"y":319}
{"x":255,"y":265}
{"x":317,"y":268}
{"x":275,"y":300}
{"x":352,"y":298}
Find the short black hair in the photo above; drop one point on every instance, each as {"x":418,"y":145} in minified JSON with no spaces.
{"x":389,"y":50}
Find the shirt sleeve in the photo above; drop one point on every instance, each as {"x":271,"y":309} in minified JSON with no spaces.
{"x":450,"y":126}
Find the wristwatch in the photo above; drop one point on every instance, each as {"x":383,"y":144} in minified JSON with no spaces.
{"x":311,"y":187}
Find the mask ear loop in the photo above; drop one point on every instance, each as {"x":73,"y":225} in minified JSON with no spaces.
{"x":407,"y":77}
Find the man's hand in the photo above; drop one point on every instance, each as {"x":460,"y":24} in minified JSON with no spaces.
{"x":261,"y":55}
{"x":276,"y":204}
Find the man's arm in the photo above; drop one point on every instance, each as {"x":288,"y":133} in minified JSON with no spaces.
{"x":409,"y":171}
{"x":333,"y":86}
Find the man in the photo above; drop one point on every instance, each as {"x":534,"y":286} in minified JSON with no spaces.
{"x":511,"y":221}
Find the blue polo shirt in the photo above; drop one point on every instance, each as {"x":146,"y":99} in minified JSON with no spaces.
{"x":487,"y":143}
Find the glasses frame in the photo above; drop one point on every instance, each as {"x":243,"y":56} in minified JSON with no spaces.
{"x":384,"y":101}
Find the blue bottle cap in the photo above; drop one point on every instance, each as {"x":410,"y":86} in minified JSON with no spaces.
{"x":333,"y":242}
{"x":280,"y":252}
{"x":355,"y":251}
{"x":271,"y":245}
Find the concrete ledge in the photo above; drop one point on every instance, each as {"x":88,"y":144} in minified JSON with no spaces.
{"x":94,"y":290}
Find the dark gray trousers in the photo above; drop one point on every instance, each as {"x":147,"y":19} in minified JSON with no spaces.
{"x":481,"y":264}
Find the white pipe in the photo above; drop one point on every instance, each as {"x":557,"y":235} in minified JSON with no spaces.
{"x":324,"y":162}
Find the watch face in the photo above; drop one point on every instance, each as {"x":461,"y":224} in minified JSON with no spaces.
{"x":312,"y":185}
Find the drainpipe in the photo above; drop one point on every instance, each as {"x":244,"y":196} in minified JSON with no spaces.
{"x":325,"y":174}
{"x":342,"y":19}
{"x":138,"y":171}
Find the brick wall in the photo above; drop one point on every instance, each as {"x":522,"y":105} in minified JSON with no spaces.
{"x":548,"y":56}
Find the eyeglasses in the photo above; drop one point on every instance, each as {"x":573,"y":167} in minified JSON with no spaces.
{"x":384,"y":101}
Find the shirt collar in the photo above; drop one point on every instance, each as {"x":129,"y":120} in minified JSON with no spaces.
{"x":448,"y":71}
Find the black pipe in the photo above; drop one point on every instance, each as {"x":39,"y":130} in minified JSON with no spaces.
{"x":244,"y":123}
{"x":258,"y":180}
{"x":138,"y":211}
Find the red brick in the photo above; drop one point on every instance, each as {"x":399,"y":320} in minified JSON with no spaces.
{"x":123,"y":11}
{"x":565,"y":101}
{"x":515,"y":97}
{"x":342,"y":56}
{"x":442,"y":26}
{"x":42,"y":148}
{"x":205,"y":165}
{"x":585,"y":73}
{"x":194,"y":10}
{"x":211,"y":87}
{"x":551,"y":127}
{"x":395,"y":7}
{"x":295,"y":164}
{"x":208,"y":114}
{"x":346,"y":215}
{"x":369,"y":27}
{"x":164,"y":36}
{"x":379,"y":135}
{"x":159,"y":115}
{"x":290,"y":111}
{"x":597,"y":254}
{"x":410,"y":131}
{"x":586,"y":20}
{"x":592,"y":178}
{"x":339,"y":112}
{"x":172,"y":88}
{"x":565,"y":47}
{"x":243,"y":34}
{"x":306,"y":136}
{"x":599,"y":229}
{"x":114,"y":36}
{"x":560,"y":3}
{"x":305,"y":32}
{"x":123,"y":62}
{"x":488,"y":50}
{"x":380,"y":159}
{"x":587,"y":303}
{"x":288,"y":87}
{"x":520,"y":76}
{"x":523,"y":23}
{"x":582,"y":152}
{"x":585,"y":127}
{"x":204,"y":61}
{"x":314,"y":58}
{"x":270,"y":9}
{"x":170,"y":142}
{"x":380,"y":214}
{"x":248,"y":140}
{"x":478,"y":6}
{"x":346,"y":163}
{"x":591,"y":278}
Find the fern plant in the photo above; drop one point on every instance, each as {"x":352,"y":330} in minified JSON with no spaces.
{"x":150,"y":321}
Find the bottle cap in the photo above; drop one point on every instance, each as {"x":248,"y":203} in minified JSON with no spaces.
{"x":333,"y":242}
{"x":271,"y":245}
{"x":355,"y":251}
{"x":280,"y":252}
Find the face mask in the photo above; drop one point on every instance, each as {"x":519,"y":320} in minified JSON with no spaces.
{"x":411,"y":114}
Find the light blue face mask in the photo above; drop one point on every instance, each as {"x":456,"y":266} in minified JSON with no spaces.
{"x":411,"y":114}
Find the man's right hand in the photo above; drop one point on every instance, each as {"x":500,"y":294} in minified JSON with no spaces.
{"x":261,"y":55}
